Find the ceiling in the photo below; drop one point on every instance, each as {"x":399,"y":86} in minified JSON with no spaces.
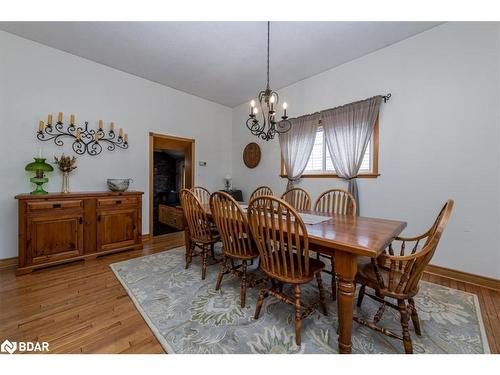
{"x":224,"y":62}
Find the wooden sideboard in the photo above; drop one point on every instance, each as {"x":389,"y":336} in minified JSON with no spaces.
{"x":58,"y":228}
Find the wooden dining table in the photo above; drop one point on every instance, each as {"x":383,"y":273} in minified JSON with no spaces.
{"x":346,"y":238}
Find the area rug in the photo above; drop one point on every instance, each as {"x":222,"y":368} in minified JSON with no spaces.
{"x":188,"y":315}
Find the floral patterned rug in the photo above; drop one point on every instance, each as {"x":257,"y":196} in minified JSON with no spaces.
{"x":187,"y":315}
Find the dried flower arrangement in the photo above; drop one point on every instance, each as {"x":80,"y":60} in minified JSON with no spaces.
{"x":65,"y":163}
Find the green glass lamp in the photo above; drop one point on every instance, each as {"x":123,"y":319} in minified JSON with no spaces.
{"x":39,"y":166}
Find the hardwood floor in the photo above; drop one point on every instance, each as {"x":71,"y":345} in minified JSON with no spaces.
{"x":82,"y":308}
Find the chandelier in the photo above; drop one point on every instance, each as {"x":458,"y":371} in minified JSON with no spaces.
{"x":266,"y":127}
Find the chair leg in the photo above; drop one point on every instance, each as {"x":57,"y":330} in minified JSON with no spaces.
{"x":212,"y":251}
{"x":334,"y":280}
{"x":379,"y":313}
{"x":189,"y":255}
{"x":414,"y":317}
{"x":243,"y":288}
{"x":321,"y":294}
{"x":298,"y":321}
{"x":222,"y":271}
{"x":361,"y":295}
{"x":403,"y":311}
{"x":204,"y":264}
{"x":262,"y":296}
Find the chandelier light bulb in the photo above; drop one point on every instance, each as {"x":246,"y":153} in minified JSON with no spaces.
{"x":252,"y":103}
{"x":272,"y":99}
{"x":285,"y":106}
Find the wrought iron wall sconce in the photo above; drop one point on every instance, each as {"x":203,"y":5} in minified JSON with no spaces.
{"x":85,"y":140}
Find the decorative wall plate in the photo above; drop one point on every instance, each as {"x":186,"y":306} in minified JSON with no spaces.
{"x":251,"y":155}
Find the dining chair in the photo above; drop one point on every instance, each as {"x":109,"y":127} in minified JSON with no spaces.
{"x":396,"y":274}
{"x":202,"y":194}
{"x":261,"y":191}
{"x":298,"y":198}
{"x":201,"y":231}
{"x":283,"y":245}
{"x":237,"y":241}
{"x":339,"y":202}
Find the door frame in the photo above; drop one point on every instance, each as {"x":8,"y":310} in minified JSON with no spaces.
{"x":169,"y":142}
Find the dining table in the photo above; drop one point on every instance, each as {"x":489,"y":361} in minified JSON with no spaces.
{"x":347,"y":238}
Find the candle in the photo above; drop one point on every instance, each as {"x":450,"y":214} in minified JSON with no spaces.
{"x":285,"y":106}
{"x":49,"y":120}
{"x":126,"y":138}
{"x":100,"y":124}
{"x":121,"y":132}
{"x":111,"y":126}
{"x":72,"y":119}
{"x":41,"y":126}
{"x":59,"y":117}
{"x":272,"y":102}
{"x":252,"y":106}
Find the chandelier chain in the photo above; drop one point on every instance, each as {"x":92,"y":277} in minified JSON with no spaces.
{"x":268,"y":99}
{"x":268,"y":38}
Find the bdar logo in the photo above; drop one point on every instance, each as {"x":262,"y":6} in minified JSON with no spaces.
{"x":9,"y":347}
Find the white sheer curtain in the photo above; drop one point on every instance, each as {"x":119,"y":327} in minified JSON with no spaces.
{"x":348,"y":130}
{"x":296,"y":146}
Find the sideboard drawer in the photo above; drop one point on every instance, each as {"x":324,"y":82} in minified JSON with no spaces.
{"x":119,"y":201}
{"x":171,"y":216}
{"x":54,"y":205}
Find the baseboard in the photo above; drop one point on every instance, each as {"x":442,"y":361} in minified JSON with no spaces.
{"x":146,"y":238}
{"x":483,"y":281}
{"x":8,"y":263}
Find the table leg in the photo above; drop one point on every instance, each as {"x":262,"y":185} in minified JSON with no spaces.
{"x":346,"y":268}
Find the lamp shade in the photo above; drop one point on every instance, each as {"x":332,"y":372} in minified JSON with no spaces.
{"x":39,"y":165}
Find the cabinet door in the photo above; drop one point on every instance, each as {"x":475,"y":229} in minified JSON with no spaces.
{"x":117,"y":228}
{"x":54,"y":237}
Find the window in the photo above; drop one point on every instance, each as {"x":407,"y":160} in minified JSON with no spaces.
{"x":320,"y":163}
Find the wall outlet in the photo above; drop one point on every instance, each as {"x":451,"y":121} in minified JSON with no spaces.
{"x":202,"y":163}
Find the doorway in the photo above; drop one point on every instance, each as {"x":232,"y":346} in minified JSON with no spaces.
{"x":171,"y":168}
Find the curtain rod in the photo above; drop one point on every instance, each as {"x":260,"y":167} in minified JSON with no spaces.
{"x":385,"y":97}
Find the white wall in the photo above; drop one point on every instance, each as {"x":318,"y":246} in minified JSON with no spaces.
{"x":439,"y":137}
{"x":36,"y":80}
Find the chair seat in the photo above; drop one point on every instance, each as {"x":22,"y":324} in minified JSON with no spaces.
{"x":366,"y":275}
{"x":315,"y":266}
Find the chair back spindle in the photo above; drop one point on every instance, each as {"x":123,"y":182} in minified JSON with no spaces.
{"x":196,"y":217}
{"x":298,"y":198}
{"x":277,"y":229}
{"x":202,"y":194}
{"x":232,"y":224}
{"x":261,"y":191}
{"x":336,"y":201}
{"x":405,"y":268}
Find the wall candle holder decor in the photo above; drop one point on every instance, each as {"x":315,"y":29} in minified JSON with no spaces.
{"x":85,"y":140}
